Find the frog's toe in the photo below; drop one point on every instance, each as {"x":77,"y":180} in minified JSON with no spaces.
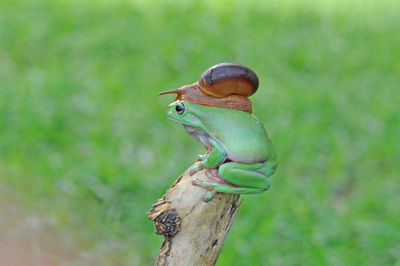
{"x":203,"y":184}
{"x":195,"y":169}
{"x":196,"y":182}
{"x":209,"y":195}
{"x":202,"y":157}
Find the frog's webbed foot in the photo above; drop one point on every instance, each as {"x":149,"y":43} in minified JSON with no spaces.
{"x":196,"y":168}
{"x":204,"y":156}
{"x":209,"y":195}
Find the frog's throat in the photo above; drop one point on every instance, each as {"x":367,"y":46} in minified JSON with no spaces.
{"x":199,"y":134}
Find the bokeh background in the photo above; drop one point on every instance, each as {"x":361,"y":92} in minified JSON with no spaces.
{"x":86,"y":148}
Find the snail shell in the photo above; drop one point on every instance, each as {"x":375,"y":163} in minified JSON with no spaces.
{"x":224,"y":85}
{"x":227,"y":79}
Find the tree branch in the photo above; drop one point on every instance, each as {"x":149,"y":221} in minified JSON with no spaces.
{"x":194,"y":231}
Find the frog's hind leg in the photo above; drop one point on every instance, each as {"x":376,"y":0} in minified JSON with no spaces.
{"x":216,"y":187}
{"x":243,"y":179}
{"x":247,"y":175}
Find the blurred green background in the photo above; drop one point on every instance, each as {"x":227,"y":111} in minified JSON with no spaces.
{"x":85,"y":143}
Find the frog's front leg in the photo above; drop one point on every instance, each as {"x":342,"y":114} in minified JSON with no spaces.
{"x":246,"y":179}
{"x":202,"y":157}
{"x":212,"y":159}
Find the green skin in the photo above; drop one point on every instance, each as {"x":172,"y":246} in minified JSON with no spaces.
{"x":237,"y":143}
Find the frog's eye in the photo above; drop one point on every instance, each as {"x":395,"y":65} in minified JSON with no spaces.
{"x":180,"y":108}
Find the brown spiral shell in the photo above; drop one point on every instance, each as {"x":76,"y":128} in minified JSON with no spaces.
{"x":224,"y":85}
{"x":227,"y":79}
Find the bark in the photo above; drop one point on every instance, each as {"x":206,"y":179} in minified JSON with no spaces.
{"x":194,"y":231}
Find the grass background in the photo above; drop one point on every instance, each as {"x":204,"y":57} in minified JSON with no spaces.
{"x":84,"y":140}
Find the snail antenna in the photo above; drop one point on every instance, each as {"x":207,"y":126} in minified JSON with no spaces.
{"x":177,"y":91}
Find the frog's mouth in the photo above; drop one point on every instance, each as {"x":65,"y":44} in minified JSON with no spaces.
{"x":173,"y":119}
{"x":176,"y":120}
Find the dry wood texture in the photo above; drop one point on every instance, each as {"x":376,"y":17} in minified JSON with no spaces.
{"x":194,"y":231}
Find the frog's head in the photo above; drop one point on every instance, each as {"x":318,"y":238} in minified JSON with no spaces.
{"x":181,"y":111}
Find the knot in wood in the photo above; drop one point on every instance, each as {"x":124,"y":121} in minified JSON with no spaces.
{"x":168,"y":224}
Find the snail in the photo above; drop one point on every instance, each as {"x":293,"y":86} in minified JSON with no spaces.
{"x":226,"y":85}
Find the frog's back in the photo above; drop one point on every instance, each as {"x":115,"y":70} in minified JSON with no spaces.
{"x":241,"y":133}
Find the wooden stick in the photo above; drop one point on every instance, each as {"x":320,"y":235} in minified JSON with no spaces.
{"x":194,"y":231}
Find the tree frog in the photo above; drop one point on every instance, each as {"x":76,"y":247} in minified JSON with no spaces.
{"x":237,"y":144}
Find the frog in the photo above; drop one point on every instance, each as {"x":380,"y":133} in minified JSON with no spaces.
{"x":237,"y":144}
